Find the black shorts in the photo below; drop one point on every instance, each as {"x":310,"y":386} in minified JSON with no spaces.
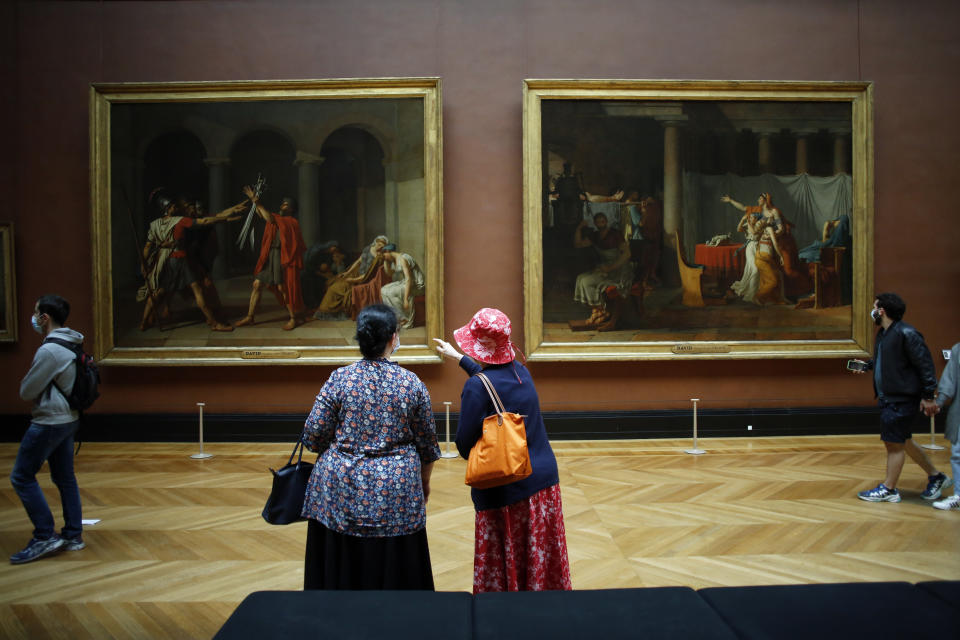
{"x":896,"y":420}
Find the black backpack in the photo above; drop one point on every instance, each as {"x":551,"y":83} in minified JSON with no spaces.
{"x":85,"y":389}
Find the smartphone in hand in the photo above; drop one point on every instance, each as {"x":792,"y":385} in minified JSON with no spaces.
{"x":859,"y":366}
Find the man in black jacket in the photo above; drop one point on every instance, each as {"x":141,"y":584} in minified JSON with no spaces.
{"x":904,"y":382}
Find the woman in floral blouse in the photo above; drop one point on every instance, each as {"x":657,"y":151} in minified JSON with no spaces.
{"x":520,"y":543}
{"x":366,"y":500}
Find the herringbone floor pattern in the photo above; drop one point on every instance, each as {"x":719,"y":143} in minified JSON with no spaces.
{"x":181,"y":541}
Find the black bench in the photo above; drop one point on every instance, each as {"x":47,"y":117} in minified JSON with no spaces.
{"x":876,"y":610}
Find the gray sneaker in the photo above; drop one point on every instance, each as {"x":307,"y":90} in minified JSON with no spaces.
{"x":36,"y":549}
{"x":948,"y":504}
{"x":73,"y":544}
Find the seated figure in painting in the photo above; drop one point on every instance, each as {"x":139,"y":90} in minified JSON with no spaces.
{"x":337,"y":299}
{"x":408,"y":282}
{"x":613,"y":269}
{"x":836,"y":233}
{"x":643,"y":230}
{"x":321,"y":263}
{"x":829,"y":262}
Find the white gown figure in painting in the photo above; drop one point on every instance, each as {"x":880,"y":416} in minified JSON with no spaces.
{"x":763,"y":278}
{"x":746,"y":286}
{"x":408,"y":283}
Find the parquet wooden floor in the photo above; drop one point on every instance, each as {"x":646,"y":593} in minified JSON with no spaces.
{"x":181,"y":542}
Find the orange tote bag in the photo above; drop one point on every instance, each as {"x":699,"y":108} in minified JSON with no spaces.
{"x":500,"y":456}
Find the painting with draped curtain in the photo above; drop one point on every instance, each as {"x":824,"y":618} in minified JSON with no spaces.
{"x":697,"y":219}
{"x":249,"y":222}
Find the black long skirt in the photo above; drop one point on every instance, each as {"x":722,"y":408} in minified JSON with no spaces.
{"x":337,"y":561}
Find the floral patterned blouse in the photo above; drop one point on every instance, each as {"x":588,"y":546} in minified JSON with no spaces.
{"x":373,"y":424}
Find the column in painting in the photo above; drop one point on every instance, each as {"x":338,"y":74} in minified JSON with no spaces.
{"x":390,"y":196}
{"x":840,"y":151}
{"x":215,"y":203}
{"x":361,"y":195}
{"x":765,"y":150}
{"x":308,"y":195}
{"x":803,"y":150}
{"x":672,"y":197}
{"x":728,"y":141}
{"x":672,"y":176}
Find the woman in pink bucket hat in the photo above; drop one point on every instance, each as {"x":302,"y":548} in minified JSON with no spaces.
{"x":520,"y":542}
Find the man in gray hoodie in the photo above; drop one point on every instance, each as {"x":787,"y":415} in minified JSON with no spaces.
{"x":50,"y":435}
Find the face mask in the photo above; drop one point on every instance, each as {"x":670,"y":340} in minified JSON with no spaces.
{"x":875,"y":316}
{"x":396,"y":346}
{"x":36,"y":324}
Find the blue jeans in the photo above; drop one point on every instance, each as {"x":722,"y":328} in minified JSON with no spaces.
{"x":955,"y":465}
{"x":53,"y":443}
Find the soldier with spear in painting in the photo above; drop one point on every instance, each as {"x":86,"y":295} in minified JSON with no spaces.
{"x":164,"y":254}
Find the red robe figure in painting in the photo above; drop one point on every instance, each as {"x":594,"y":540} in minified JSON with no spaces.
{"x":292,"y":247}
{"x":280,"y":263}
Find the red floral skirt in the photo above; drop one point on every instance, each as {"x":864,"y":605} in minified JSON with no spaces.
{"x":522,"y":546}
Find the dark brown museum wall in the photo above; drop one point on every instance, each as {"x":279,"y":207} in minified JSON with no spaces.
{"x":483,"y":51}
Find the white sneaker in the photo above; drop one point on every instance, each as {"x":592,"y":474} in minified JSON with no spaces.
{"x":953,"y":502}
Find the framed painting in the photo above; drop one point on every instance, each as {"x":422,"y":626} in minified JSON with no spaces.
{"x":8,"y":281}
{"x":697,"y":219}
{"x":249,"y":222}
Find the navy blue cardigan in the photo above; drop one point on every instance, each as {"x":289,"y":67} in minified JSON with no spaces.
{"x":518,"y":396}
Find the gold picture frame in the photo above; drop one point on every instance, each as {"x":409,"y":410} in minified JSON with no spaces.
{"x":8,"y":280}
{"x":357,"y":159}
{"x":678,"y":157}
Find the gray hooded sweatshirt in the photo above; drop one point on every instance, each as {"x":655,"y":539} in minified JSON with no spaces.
{"x":52,"y":362}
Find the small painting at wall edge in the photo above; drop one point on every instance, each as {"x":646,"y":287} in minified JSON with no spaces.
{"x":8,"y":280}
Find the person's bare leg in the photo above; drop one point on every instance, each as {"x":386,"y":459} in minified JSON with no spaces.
{"x":292,"y":322}
{"x":919,"y":456}
{"x":212,"y":296}
{"x":205,"y":309}
{"x":147,"y":321}
{"x":285,"y":301}
{"x":278,"y":293}
{"x":150,"y":309}
{"x":254,"y":301}
{"x":895,"y":458}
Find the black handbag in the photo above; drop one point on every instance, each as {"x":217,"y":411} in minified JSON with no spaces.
{"x":289,"y":490}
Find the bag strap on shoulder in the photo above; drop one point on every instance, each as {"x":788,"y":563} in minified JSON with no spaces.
{"x":297,"y":447}
{"x":77,"y":349}
{"x":77,"y":356}
{"x":497,"y":403}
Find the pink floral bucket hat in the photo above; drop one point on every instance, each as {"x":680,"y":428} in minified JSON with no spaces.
{"x":486,"y":338}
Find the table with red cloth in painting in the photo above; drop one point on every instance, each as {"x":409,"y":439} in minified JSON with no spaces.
{"x":723,"y":263}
